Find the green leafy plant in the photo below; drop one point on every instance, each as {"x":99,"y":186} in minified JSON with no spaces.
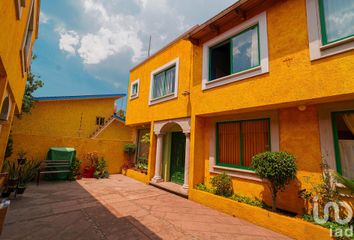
{"x":345,"y":181}
{"x":75,"y":168}
{"x":11,"y":167}
{"x":279,"y":168}
{"x":101,"y":169}
{"x":247,"y":200}
{"x":222,"y":184}
{"x":28,"y":171}
{"x":130,"y":149}
{"x":202,"y":187}
{"x":9,"y":147}
{"x":33,"y":83}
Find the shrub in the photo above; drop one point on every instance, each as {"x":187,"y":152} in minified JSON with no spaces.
{"x":75,"y":168}
{"x":279,"y":168}
{"x":202,"y":187}
{"x":247,"y":200}
{"x":101,"y":169}
{"x":222,"y":185}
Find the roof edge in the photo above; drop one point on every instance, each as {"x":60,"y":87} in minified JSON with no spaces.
{"x":80,"y":97}
{"x":180,"y":37}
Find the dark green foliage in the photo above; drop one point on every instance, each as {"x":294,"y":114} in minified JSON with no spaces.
{"x":345,"y":181}
{"x":222,"y":184}
{"x":101,"y":169}
{"x":235,"y":197}
{"x":28,"y":171}
{"x":129,"y":148}
{"x":33,"y":83}
{"x":279,"y":168}
{"x":249,"y":201}
{"x":9,"y":147}
{"x":75,"y":168}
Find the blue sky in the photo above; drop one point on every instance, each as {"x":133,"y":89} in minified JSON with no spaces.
{"x":88,"y":46}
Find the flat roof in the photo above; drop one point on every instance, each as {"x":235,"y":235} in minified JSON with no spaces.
{"x":80,"y":97}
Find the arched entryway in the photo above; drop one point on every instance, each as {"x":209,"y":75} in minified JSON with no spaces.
{"x":172,"y":151}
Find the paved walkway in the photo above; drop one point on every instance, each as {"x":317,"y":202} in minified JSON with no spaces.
{"x":118,"y":208}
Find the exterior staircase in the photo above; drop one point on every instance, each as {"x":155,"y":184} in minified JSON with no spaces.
{"x":99,"y":129}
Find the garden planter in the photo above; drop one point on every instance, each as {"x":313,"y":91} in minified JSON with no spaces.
{"x":6,"y":193}
{"x":20,"y":190}
{"x":12,"y":182}
{"x":88,"y":172}
{"x":21,"y":161}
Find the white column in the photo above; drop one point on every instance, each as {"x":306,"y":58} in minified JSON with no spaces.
{"x":159,"y":151}
{"x":186,"y":163}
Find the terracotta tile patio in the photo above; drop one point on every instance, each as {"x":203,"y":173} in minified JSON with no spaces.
{"x":118,"y":208}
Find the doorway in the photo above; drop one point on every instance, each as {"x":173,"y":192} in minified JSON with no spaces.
{"x":178,"y":144}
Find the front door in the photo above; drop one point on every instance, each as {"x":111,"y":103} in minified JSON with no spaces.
{"x":178,"y":145}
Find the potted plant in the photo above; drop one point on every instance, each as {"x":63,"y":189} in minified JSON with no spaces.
{"x":76,"y":169}
{"x":11,"y":167}
{"x":21,"y":157}
{"x":101,"y":169}
{"x":92,"y":159}
{"x":129,"y":149}
{"x":28,"y":172}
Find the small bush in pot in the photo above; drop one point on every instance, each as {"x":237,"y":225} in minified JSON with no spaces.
{"x":222,"y":185}
{"x":27,"y":172}
{"x":279,"y":168}
{"x":75,"y":168}
{"x":101,"y":169}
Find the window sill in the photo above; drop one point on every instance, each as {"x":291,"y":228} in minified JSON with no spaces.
{"x":238,"y":173}
{"x":336,"y":44}
{"x":132,"y":97}
{"x":162,"y":99}
{"x":234,"y":77}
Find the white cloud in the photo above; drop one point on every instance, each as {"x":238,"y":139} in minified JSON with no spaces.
{"x":43,"y":18}
{"x":68,"y":40}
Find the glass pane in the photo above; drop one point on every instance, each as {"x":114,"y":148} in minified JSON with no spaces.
{"x":143,"y":147}
{"x":339,"y":19}
{"x":135,"y":89}
{"x":245,"y":50}
{"x":255,"y":139}
{"x":345,"y":132}
{"x":159,"y":85}
{"x":170,"y":80}
{"x":220,"y":61}
{"x":229,"y":143}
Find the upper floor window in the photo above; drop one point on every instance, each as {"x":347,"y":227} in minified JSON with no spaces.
{"x":20,"y":4}
{"x":134,"y":89}
{"x":100,"y":121}
{"x":330,"y":25}
{"x":164,"y":82}
{"x":337,"y":20}
{"x":236,"y":54}
{"x":26,"y":53}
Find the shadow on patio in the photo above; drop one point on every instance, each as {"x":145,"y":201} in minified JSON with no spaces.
{"x":65,"y":210}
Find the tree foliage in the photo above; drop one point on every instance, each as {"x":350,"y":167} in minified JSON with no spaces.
{"x":33,"y":83}
{"x":279,"y":168}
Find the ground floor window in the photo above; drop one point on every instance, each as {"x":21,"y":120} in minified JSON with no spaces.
{"x":142,"y":153}
{"x":238,"y":141}
{"x":343,"y":132}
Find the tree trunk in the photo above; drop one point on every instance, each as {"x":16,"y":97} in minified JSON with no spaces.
{"x":274,"y":198}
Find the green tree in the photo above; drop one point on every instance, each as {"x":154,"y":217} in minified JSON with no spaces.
{"x":33,"y":83}
{"x":279,"y":168}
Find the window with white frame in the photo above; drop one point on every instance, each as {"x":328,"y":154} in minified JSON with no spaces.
{"x":26,"y":44}
{"x":330,"y":27}
{"x":337,"y":20}
{"x":20,"y":4}
{"x":164,"y":82}
{"x":134,"y":89}
{"x":237,"y":54}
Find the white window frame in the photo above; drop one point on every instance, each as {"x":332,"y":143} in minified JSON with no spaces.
{"x":170,"y":96}
{"x":20,"y":4}
{"x":25,"y":52}
{"x":261,"y":20}
{"x":317,"y":49}
{"x":132,"y":95}
{"x":6,"y":95}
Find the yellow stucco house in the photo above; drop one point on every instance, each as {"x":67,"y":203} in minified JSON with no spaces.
{"x":87,"y":123}
{"x":19,"y":29}
{"x":259,"y":76}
